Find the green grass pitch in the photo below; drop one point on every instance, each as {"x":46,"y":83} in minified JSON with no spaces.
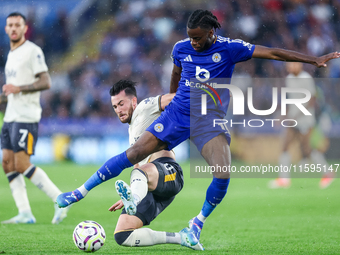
{"x":252,"y":219}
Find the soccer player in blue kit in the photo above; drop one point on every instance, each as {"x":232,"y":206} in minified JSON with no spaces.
{"x":202,"y":57}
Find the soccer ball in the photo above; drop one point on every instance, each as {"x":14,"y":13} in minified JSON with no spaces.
{"x":89,"y":236}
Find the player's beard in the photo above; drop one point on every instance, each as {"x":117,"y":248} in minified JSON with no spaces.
{"x":130,"y":112}
{"x":16,"y":40}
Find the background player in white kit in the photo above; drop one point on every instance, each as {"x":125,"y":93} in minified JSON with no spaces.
{"x":298,"y":78}
{"x":155,"y":181}
{"x":26,"y":75}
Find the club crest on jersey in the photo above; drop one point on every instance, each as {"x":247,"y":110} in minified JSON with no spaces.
{"x":159,"y":127}
{"x":216,"y":57}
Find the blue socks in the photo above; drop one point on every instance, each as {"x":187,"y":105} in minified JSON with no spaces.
{"x":112,"y":168}
{"x":215,"y":193}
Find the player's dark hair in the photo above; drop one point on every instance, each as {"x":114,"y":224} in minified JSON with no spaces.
{"x":16,"y":14}
{"x":203,"y":19}
{"x":128,"y":86}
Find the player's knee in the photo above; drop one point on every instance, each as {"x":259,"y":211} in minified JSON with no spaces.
{"x":7,"y":165}
{"x":221,"y":174}
{"x":121,"y":236}
{"x":149,"y":170}
{"x":19,"y":167}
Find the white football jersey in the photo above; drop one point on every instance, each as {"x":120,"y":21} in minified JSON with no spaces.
{"x":145,"y":113}
{"x":22,"y":65}
{"x":305,"y":81}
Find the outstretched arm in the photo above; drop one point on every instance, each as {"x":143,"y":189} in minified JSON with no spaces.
{"x":175,"y":78}
{"x":292,"y":56}
{"x":43,"y":83}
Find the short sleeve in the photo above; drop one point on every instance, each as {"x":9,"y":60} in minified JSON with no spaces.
{"x":174,"y":56}
{"x":240,"y":50}
{"x":150,"y":105}
{"x":38,"y":61}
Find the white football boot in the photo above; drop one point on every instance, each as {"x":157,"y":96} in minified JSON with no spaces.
{"x":125,"y":193}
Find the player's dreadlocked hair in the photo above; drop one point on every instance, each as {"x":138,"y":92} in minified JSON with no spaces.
{"x":127,"y":85}
{"x":203,"y":19}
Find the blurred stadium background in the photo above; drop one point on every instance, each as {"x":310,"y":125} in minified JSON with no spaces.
{"x":90,"y":44}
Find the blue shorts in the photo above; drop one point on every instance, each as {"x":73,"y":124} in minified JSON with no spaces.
{"x":175,"y":126}
{"x":17,"y":136}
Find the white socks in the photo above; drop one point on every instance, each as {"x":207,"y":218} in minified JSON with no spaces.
{"x":284,"y":160}
{"x":201,"y":217}
{"x":83,"y":190}
{"x":148,"y":237}
{"x":138,"y":185}
{"x":19,"y":193}
{"x":40,"y":179}
{"x":318,"y":158}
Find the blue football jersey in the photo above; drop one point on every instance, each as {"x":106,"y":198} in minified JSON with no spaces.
{"x":202,"y":70}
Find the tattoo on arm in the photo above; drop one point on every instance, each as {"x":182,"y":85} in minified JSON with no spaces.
{"x":34,"y":87}
{"x":43,"y":83}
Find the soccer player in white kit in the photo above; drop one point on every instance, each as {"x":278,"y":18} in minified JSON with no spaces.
{"x":298,"y":78}
{"x":26,"y":75}
{"x":155,"y":181}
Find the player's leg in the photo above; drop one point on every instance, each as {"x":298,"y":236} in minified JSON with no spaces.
{"x":18,"y":188}
{"x":25,"y":138}
{"x":129,"y":231}
{"x":169,"y":182}
{"x":151,"y":177}
{"x":146,"y":145}
{"x":283,"y":180}
{"x":317,"y":158}
{"x":142,"y":180}
{"x":328,"y":175}
{"x":41,"y":180}
{"x":217,"y":153}
{"x":16,"y":180}
{"x":305,"y":146}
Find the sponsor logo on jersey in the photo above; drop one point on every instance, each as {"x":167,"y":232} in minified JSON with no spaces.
{"x":216,"y":57}
{"x":202,"y":74}
{"x":39,"y":59}
{"x":159,"y":127}
{"x":188,"y":58}
{"x":11,"y":73}
{"x":147,"y":100}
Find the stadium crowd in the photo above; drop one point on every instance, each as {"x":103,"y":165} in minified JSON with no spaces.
{"x":139,"y":44}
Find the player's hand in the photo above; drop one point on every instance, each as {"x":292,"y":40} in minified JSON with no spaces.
{"x":321,"y":61}
{"x":10,"y":88}
{"x":116,"y":206}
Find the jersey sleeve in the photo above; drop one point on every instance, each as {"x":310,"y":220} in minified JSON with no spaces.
{"x":240,"y":50}
{"x":151,"y":105}
{"x":38,"y":61}
{"x":174,"y":56}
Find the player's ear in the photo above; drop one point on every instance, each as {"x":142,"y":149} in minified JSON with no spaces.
{"x":211,"y":33}
{"x":25,"y":29}
{"x":134,"y":102}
